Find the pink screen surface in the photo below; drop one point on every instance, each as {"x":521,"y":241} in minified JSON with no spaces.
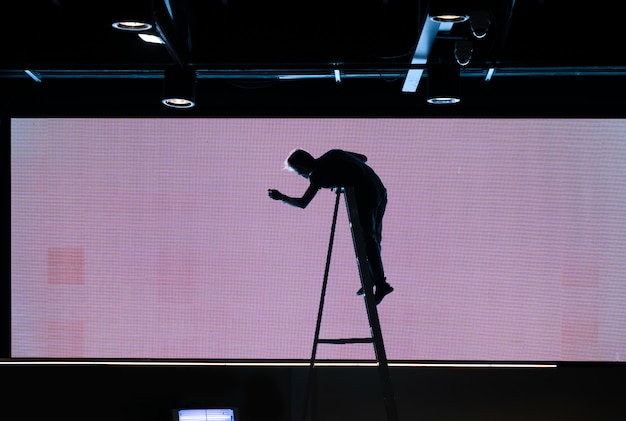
{"x":505,"y":239}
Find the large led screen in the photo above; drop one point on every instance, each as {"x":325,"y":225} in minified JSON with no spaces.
{"x":155,"y":238}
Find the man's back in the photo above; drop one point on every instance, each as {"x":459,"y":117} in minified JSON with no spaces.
{"x":338,"y":168}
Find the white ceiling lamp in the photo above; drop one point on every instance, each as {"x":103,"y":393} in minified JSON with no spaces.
{"x":135,"y":16}
{"x":444,"y":84}
{"x":448,"y":11}
{"x":179,"y":88}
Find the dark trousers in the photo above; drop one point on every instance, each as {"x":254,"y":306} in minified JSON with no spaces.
{"x":371,"y":214}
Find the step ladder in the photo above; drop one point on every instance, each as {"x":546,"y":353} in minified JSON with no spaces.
{"x":367,"y":283}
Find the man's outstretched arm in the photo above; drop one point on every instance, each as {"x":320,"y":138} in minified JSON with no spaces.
{"x":299,"y":202}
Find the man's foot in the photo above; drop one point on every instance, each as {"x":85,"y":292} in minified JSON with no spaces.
{"x":361,"y":292}
{"x":382,"y":291}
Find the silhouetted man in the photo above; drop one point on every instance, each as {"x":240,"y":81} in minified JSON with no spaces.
{"x":335,"y":169}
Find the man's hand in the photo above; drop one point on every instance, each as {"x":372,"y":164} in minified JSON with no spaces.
{"x":275,"y":194}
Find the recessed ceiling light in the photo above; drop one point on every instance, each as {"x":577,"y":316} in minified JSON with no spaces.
{"x":132,"y":25}
{"x":449,"y":18}
{"x":443,"y":100}
{"x":178,"y":102}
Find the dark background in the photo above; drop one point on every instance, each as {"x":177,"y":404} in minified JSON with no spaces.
{"x":550,"y":57}
{"x":553,"y":58}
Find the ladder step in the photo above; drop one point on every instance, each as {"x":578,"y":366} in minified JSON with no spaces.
{"x":346,"y":341}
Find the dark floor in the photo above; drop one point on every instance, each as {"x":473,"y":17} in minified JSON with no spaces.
{"x":136,"y":393}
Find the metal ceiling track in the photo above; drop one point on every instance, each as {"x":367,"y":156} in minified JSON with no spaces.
{"x":40,"y":75}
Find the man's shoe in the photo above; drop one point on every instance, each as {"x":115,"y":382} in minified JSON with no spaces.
{"x":361,"y":292}
{"x":381,"y":292}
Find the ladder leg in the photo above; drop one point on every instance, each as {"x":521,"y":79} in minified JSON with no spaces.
{"x":321,"y":307}
{"x":370,"y":303}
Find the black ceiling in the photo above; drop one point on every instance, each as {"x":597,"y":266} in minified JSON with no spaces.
{"x":291,"y":47}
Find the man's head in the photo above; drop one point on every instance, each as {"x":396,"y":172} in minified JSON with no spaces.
{"x":301,"y":162}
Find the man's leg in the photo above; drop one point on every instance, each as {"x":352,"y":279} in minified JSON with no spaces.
{"x":382,"y":286}
{"x":371,"y":222}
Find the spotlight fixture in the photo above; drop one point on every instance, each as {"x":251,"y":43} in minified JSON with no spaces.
{"x":136,"y":16}
{"x":448,"y":11}
{"x":443,"y":81}
{"x":179,"y":88}
{"x":463,"y":50}
{"x":448,"y":18}
{"x":480,"y":22}
{"x":132,"y":25}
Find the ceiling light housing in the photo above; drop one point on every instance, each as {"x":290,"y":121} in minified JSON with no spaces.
{"x":480,"y":21}
{"x":443,"y":82}
{"x":448,"y":11}
{"x":449,"y":18}
{"x":179,"y":88}
{"x":463,"y":51}
{"x":134,"y":16}
{"x":132,"y":25}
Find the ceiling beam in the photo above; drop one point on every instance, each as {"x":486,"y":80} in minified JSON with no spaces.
{"x":430,"y":30}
